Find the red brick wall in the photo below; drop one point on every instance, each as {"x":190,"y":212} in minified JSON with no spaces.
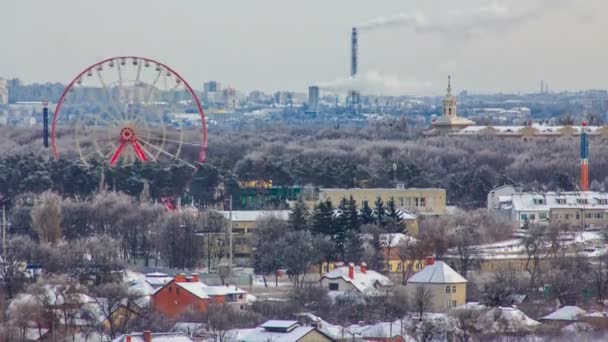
{"x":168,"y":302}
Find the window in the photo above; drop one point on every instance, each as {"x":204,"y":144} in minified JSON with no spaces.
{"x":524,"y":217}
{"x":240,"y":296}
{"x":334,"y":287}
{"x":399,"y":265}
{"x":177,"y":291}
{"x":532,"y":217}
{"x":190,"y":307}
{"x":401,"y":202}
{"x":416,"y":201}
{"x":561,"y":201}
{"x":598,"y":215}
{"x":578,"y":216}
{"x":422,"y":202}
{"x":408,"y":202}
{"x":365,"y":203}
{"x":454,"y":303}
{"x":567,"y":216}
{"x":542,"y":216}
{"x":454,"y":289}
{"x":447,"y":289}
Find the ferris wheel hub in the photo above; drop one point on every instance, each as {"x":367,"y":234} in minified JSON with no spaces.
{"x":127,"y":134}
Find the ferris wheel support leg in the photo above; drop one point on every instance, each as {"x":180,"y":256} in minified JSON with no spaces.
{"x":138,"y":150}
{"x":117,"y":153}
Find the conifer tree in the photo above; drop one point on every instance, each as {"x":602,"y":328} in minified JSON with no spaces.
{"x":353,"y":215}
{"x":392,"y":211}
{"x":322,"y":221}
{"x":299,"y":215}
{"x":379,"y":211}
{"x":367,"y":215}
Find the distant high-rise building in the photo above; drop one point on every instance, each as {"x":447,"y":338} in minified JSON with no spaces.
{"x":229,"y":98}
{"x":3,"y":91}
{"x":212,"y":92}
{"x":313,"y":98}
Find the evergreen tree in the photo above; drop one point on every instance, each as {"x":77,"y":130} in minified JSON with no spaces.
{"x":341,"y":226}
{"x":298,"y":217}
{"x":353,"y":215}
{"x":367,"y":215}
{"x":379,"y":211}
{"x":392,"y":211}
{"x":323,"y":219}
{"x":353,"y":247}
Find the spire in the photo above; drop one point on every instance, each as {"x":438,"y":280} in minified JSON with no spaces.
{"x":449,"y":85}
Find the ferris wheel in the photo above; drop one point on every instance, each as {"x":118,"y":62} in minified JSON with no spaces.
{"x":127,"y":110}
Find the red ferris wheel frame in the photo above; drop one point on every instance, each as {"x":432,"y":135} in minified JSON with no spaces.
{"x":203,"y":151}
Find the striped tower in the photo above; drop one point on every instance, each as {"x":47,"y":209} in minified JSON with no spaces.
{"x":584,"y":158}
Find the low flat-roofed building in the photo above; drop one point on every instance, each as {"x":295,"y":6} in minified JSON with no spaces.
{"x":427,"y":201}
{"x":584,"y":209}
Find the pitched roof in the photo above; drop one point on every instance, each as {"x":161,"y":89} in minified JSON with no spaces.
{"x":204,"y":291}
{"x":254,"y":215}
{"x":566,"y":313}
{"x":363,"y":282}
{"x":260,"y":334}
{"x":156,"y":337}
{"x":437,"y":273}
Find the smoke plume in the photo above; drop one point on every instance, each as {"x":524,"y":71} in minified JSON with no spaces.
{"x":373,"y":83}
{"x":492,"y":18}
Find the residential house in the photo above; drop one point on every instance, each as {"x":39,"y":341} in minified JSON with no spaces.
{"x":279,"y":331}
{"x":494,"y":194}
{"x":355,"y":279}
{"x":184,"y":295}
{"x":565,"y":314}
{"x":447,"y":288}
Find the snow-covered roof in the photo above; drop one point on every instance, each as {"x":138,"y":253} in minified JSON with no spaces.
{"x":501,"y":320}
{"x":278,"y":324}
{"x":254,"y":215}
{"x":382,"y":330}
{"x":437,"y":273}
{"x":196,"y":288}
{"x":260,"y":334}
{"x":566,"y":313}
{"x":363,"y":282}
{"x":189,"y":328}
{"x":222,"y":290}
{"x":156,"y":337}
{"x":543,"y":202}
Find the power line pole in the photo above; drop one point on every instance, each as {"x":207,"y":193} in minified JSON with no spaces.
{"x":4,"y":232}
{"x":230,"y":236}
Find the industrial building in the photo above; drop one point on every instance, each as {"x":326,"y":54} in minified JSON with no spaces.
{"x":431,"y":201}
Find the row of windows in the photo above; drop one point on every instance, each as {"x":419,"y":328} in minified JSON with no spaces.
{"x":447,"y":289}
{"x":407,"y":202}
{"x":543,"y":216}
{"x":400,"y":266}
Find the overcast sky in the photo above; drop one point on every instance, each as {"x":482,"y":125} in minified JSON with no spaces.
{"x":279,"y":44}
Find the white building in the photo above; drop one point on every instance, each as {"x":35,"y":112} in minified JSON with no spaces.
{"x":494,"y":194}
{"x":447,"y":288}
{"x":587,"y":209}
{"x":357,"y":279}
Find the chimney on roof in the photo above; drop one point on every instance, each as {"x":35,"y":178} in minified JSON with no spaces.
{"x":363,"y":267}
{"x":195,"y":277}
{"x":180,"y":278}
{"x":430,"y":260}
{"x":128,"y":338}
{"x":147,"y":336}
{"x":351,"y":270}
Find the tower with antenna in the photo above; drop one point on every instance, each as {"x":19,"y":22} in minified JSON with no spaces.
{"x":584,"y":158}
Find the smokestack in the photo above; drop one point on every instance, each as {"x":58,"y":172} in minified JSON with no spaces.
{"x":353,"y":56}
{"x":45,"y":123}
{"x":147,"y":336}
{"x":584,"y":158}
{"x":351,"y":270}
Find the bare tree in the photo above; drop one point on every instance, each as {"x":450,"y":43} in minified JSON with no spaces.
{"x":116,"y":305}
{"x":421,"y":300}
{"x":466,"y":251}
{"x":467,"y":322}
{"x":46,"y":217}
{"x":410,"y":253}
{"x":534,"y":245}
